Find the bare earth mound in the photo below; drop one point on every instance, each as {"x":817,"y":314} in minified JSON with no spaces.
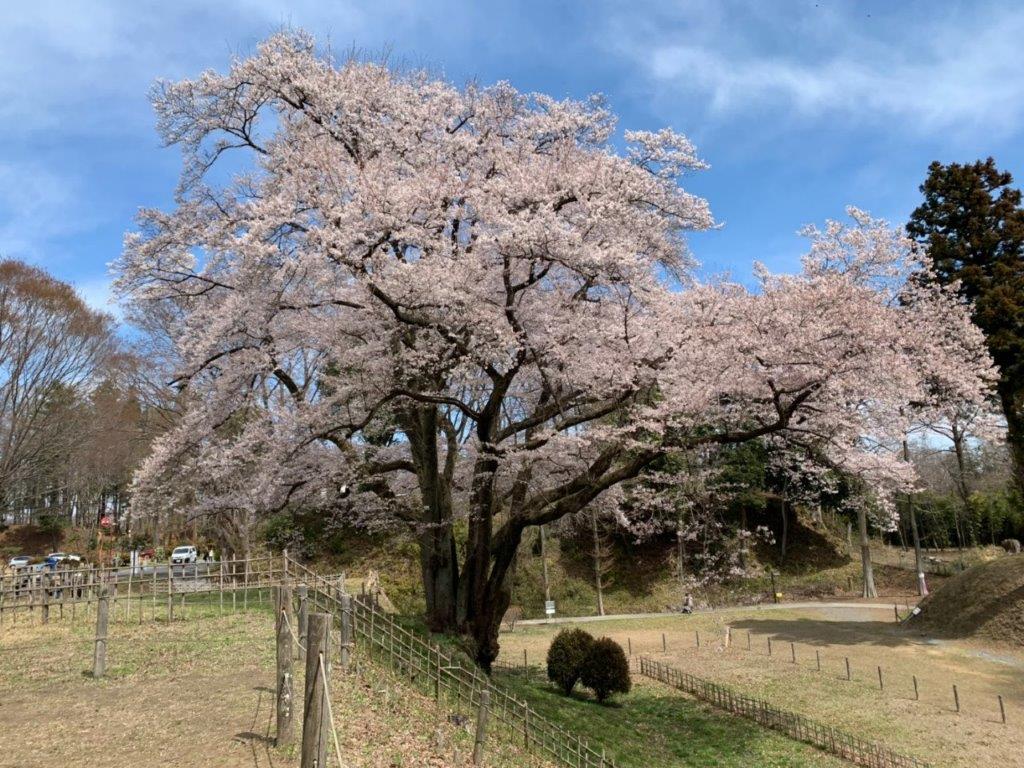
{"x":986,"y":601}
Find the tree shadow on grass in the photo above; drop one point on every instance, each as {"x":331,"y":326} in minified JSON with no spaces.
{"x":652,"y":726}
{"x":815,"y":632}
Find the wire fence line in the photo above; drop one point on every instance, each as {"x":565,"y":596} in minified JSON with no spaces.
{"x":825,"y":737}
{"x":427,"y":666}
{"x":435,"y":671}
{"x":154,"y":589}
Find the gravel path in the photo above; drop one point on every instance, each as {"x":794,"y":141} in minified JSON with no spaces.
{"x":829,"y":607}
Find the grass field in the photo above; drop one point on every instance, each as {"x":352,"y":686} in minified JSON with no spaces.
{"x":652,"y":727}
{"x":199,"y":692}
{"x":929,"y":728}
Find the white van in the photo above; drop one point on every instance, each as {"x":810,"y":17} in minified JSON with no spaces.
{"x":184,"y":555}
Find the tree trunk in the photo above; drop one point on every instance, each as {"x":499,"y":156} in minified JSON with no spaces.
{"x":544,"y":565}
{"x":483,"y":602}
{"x":438,"y":558}
{"x":439,"y":569}
{"x":961,"y":486}
{"x":922,"y":585}
{"x":1009,"y":398}
{"x":681,"y":558}
{"x":865,"y":554}
{"x":597,"y":564}
{"x":785,"y":529}
{"x":745,"y":542}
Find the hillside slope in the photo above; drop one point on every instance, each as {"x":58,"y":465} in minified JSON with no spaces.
{"x":986,"y":600}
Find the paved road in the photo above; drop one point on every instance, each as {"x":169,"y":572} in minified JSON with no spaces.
{"x":187,"y":571}
{"x":730,"y":609}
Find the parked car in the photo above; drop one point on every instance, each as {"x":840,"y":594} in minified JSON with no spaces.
{"x":20,"y":561}
{"x":184,"y":555}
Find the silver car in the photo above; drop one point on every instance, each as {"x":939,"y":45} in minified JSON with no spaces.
{"x":184,"y":555}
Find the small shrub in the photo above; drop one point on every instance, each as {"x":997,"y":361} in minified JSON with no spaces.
{"x":512,"y":615}
{"x":605,"y":670}
{"x":566,"y":656}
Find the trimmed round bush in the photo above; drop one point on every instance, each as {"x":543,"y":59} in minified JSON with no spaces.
{"x":605,"y":669}
{"x":566,"y":657}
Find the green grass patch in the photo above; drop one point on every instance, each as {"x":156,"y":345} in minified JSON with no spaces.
{"x":653,"y":727}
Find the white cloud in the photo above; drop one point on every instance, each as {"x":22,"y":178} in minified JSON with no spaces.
{"x":37,"y":205}
{"x":98,"y":293}
{"x":932,"y":72}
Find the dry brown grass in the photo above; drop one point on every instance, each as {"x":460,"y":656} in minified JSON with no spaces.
{"x":985,"y":602}
{"x":199,"y":692}
{"x":929,"y":729}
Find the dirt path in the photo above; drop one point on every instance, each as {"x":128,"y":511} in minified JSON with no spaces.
{"x":832,"y":606}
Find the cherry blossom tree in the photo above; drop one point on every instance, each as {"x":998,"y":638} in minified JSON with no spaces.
{"x":468,"y":304}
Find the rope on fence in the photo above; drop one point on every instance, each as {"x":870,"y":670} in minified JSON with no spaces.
{"x":288,"y":624}
{"x":330,"y":712}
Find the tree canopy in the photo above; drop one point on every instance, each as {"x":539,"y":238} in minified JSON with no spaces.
{"x":467,"y":304}
{"x":971,"y":225}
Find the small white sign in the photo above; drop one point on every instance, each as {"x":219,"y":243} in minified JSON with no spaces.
{"x":549,"y":607}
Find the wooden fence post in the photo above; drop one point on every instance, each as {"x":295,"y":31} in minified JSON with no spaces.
{"x":303,"y":592}
{"x":99,"y":655}
{"x":437,"y":673}
{"x":792,"y":652}
{"x":346,"y":631}
{"x":917,"y":696}
{"x":1002,"y":709}
{"x":847,"y":667}
{"x":316,"y":729}
{"x":526,"y":722}
{"x":45,"y":612}
{"x":956,"y":698}
{"x":170,"y":593}
{"x":285,"y":679}
{"x":481,"y":727}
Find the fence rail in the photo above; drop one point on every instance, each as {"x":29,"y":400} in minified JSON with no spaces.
{"x":48,"y":593}
{"x":434,"y":670}
{"x":825,"y":737}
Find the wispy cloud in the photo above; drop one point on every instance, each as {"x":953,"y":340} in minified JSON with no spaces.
{"x":98,"y":294}
{"x":37,"y":205}
{"x":931,"y":70}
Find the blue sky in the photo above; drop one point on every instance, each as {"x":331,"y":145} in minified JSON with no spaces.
{"x":800,"y":107}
